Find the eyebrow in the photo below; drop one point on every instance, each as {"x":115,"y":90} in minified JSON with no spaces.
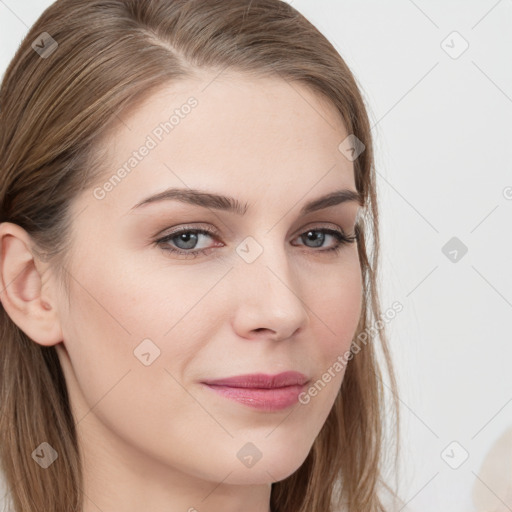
{"x":230,"y":204}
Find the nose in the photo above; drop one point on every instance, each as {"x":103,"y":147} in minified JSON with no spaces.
{"x":267,"y":300}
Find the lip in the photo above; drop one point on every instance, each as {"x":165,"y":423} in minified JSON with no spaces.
{"x":261,"y":391}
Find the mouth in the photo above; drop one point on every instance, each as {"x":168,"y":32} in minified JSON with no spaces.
{"x":261,"y":391}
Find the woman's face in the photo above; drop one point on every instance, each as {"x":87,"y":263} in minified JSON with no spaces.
{"x":145,"y":327}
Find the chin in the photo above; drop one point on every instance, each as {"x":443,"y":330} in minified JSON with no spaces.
{"x":272,"y":468}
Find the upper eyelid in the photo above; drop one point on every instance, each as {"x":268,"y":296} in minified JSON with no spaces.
{"x":214,"y":233}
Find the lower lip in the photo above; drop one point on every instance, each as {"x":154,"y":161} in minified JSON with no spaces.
{"x":269,"y":400}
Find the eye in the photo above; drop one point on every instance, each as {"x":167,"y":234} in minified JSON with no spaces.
{"x":185,"y":239}
{"x":184,"y":242}
{"x":340,"y":237}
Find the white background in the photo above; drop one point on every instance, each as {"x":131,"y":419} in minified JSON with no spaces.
{"x":442,"y":130}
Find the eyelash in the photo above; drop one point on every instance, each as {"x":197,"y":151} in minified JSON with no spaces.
{"x":340,"y":236}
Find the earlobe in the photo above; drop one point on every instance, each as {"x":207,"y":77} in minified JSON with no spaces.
{"x":21,"y":287}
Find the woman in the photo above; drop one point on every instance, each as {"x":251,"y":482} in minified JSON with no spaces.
{"x":189,"y":241}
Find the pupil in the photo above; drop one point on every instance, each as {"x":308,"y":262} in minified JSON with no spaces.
{"x":311,"y":235}
{"x":188,"y":238}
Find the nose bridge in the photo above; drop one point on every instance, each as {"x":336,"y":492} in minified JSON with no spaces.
{"x":266,"y":257}
{"x":269,"y":291}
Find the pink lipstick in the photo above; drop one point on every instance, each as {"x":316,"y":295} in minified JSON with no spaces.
{"x":261,"y":391}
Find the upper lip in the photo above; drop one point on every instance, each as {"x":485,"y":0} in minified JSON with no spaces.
{"x":261,"y":380}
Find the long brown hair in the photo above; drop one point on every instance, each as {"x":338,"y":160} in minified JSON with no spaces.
{"x":54,"y":111}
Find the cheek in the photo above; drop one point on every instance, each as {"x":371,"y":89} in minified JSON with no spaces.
{"x":134,"y":298}
{"x":144,"y":405}
{"x":337,"y":307}
{"x":339,"y":304}
{"x":124,"y":315}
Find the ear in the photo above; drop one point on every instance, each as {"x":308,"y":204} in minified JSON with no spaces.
{"x":21,"y":287}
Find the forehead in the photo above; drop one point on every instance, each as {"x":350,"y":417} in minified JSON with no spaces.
{"x":230,"y":133}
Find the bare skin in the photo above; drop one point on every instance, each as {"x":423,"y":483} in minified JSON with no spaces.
{"x":153,"y":437}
